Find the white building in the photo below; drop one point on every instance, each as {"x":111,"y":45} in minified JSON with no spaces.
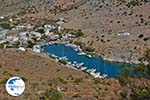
{"x":48,"y":28}
{"x":36,"y":49}
{"x":20,"y":27}
{"x":22,"y":49}
{"x":61,"y":21}
{"x":2,"y":17}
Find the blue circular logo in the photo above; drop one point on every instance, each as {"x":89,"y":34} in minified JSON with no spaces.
{"x":15,"y":86}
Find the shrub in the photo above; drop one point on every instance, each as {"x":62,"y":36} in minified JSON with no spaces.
{"x":51,"y":95}
{"x":78,"y":80}
{"x":97,"y":81}
{"x":89,"y":49}
{"x":3,"y":81}
{"x":63,"y":62}
{"x":79,"y":33}
{"x":55,"y":31}
{"x":5,"y":25}
{"x":62,"y":80}
{"x":24,"y":79}
{"x":1,"y":46}
{"x":40,"y":31}
{"x":30,"y":44}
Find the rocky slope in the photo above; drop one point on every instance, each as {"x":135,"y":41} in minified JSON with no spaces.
{"x":41,"y":73}
{"x":101,"y":20}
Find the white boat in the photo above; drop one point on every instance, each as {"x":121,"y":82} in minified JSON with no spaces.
{"x":91,"y":70}
{"x":81,"y":53}
{"x":79,"y":65}
{"x":69,"y":63}
{"x":74,"y":62}
{"x":83,"y":68}
{"x":89,"y":56}
{"x":73,"y":65}
{"x":76,"y":49}
{"x":54,"y":56}
{"x":95,"y":75}
{"x":63,"y":58}
{"x":67,"y":44}
{"x":105,"y":75}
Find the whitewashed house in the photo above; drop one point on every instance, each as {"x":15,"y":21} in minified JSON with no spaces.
{"x":61,"y":21}
{"x":20,"y":27}
{"x":48,"y":28}
{"x":2,"y":17}
{"x":9,"y":38}
{"x":36,"y":49}
{"x":23,"y":37}
{"x":22,"y":49}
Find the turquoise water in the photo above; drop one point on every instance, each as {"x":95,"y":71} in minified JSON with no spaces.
{"x":102,"y":66}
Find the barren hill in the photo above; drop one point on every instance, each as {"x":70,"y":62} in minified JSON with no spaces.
{"x":41,"y":73}
{"x":101,"y":20}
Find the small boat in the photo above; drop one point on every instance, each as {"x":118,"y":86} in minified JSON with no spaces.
{"x":91,"y":70}
{"x":73,"y":65}
{"x":69,"y":63}
{"x":105,"y":75}
{"x":79,"y":65}
{"x":76,"y":49}
{"x":74,"y":62}
{"x":81,"y":53}
{"x":83,"y":68}
{"x":89,"y":56}
{"x":95,"y":75}
{"x":63,"y":58}
{"x":54,"y":56}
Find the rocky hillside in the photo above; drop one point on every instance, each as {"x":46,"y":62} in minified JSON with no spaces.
{"x":101,"y":21}
{"x":44,"y":78}
{"x":21,"y":7}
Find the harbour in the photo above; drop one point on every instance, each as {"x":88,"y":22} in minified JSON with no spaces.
{"x":79,"y":60}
